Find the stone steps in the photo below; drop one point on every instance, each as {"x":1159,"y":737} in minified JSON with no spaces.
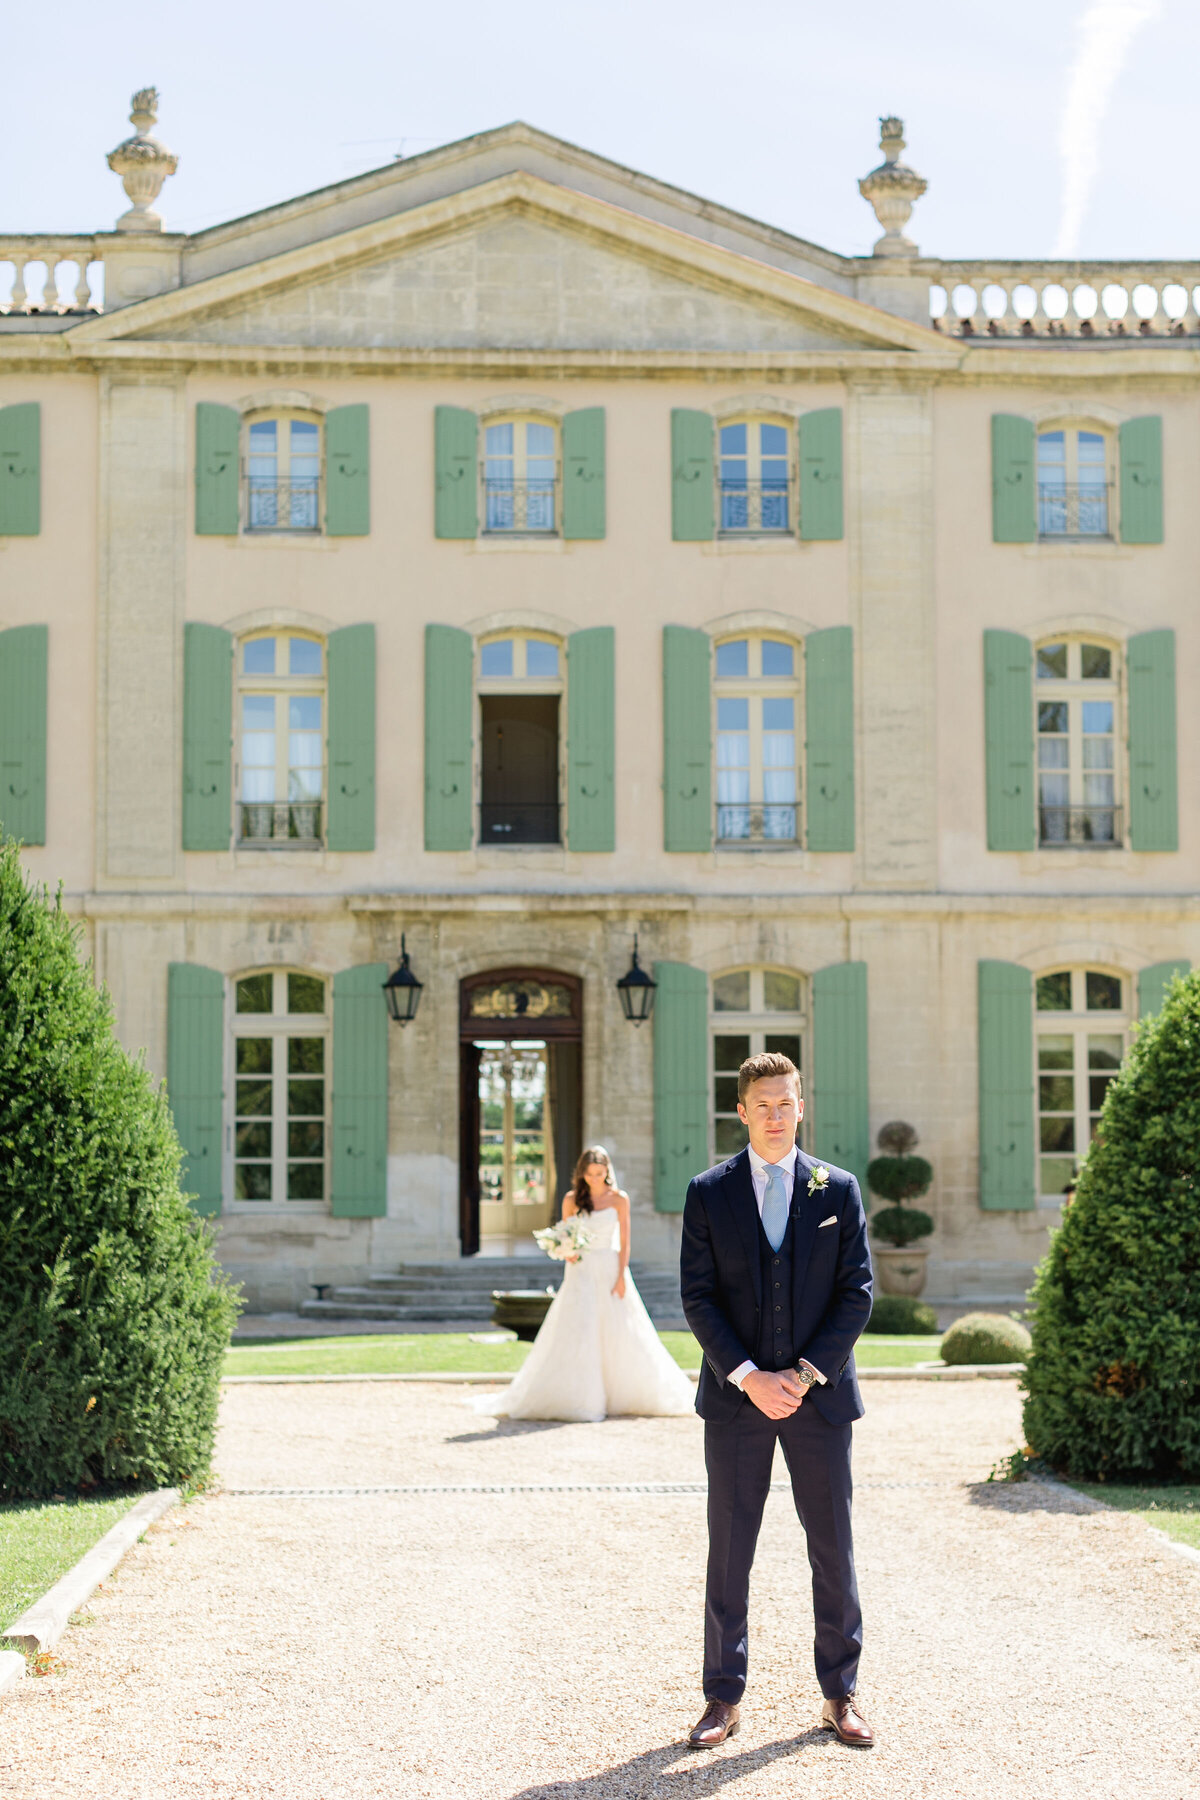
{"x":460,"y":1293}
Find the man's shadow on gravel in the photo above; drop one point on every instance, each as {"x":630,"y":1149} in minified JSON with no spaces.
{"x":675,"y":1770}
{"x":1030,"y":1495}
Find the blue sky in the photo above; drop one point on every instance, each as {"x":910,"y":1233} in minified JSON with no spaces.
{"x":770,"y":109}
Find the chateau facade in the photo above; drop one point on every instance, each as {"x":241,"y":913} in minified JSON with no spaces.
{"x":509,"y":554}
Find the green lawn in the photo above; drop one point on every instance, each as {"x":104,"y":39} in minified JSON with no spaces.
{"x":39,"y":1543}
{"x":450,"y":1353}
{"x":1175,"y":1510}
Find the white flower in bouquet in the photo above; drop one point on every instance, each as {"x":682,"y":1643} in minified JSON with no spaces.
{"x":569,"y":1238}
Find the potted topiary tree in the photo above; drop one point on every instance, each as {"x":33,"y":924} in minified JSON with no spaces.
{"x":898,"y":1177}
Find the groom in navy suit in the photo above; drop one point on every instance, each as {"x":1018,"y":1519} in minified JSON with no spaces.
{"x":775,"y":1275}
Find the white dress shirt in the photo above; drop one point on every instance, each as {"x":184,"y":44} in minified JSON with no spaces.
{"x":758,"y":1176}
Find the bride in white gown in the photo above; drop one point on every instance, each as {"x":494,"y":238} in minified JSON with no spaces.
{"x":597,"y":1352}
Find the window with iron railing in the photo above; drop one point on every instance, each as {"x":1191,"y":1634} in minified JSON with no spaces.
{"x":520,"y":687}
{"x":283,"y":475}
{"x":754,"y":479}
{"x":1073,"y":485}
{"x":281,"y":748}
{"x":1078,"y":695}
{"x":758,"y":780}
{"x":520,"y":477}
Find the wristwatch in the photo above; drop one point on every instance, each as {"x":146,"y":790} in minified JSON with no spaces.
{"x":807,"y":1377}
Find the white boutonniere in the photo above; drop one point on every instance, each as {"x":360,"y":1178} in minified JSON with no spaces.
{"x":818,"y":1179}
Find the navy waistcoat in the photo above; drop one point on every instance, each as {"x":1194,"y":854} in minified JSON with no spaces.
{"x":776,"y":1347}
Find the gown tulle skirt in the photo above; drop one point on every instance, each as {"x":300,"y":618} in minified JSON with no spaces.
{"x":595,"y":1355}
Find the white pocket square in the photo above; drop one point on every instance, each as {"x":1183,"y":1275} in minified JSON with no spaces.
{"x":831,"y":1220}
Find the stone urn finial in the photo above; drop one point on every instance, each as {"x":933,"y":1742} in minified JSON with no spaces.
{"x":143,"y":164}
{"x":893,"y":189}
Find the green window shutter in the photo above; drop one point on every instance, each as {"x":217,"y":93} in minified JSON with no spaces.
{"x":1154,"y":982}
{"x":1153,"y":785}
{"x":24,"y":666}
{"x":692,"y":510}
{"x":680,"y":1081}
{"x":195,"y":1084}
{"x":217,"y":429}
{"x":1014,"y":488}
{"x":358,"y":1184}
{"x":347,"y":471}
{"x":351,"y":821}
{"x":21,"y":469}
{"x":1140,"y":450}
{"x":449,"y":659}
{"x":455,"y":454}
{"x":841,"y":1091}
{"x":821,"y":475}
{"x":1008,"y":740}
{"x":591,"y":739}
{"x":583,"y":473}
{"x":687,"y":739}
{"x":829,"y":738}
{"x":1007,"y":1180}
{"x":207,"y":737}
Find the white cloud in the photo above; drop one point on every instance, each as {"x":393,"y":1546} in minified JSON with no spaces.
{"x":1104,"y":33}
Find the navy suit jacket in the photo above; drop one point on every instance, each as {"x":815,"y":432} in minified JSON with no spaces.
{"x":720,"y":1280}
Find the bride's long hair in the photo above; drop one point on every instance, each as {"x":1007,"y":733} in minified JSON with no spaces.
{"x":595,"y":1153}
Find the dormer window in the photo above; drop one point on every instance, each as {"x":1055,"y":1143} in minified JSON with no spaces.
{"x":520,"y":476}
{"x":1073,"y":484}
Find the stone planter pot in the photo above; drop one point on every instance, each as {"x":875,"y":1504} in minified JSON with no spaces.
{"x":521,"y":1310}
{"x":901,"y":1271}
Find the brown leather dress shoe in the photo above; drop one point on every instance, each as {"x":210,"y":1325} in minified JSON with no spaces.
{"x":842,"y":1715}
{"x":720,"y":1721}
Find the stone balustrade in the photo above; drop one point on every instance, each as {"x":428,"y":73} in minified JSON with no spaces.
{"x":1103,"y":300}
{"x":33,"y":278}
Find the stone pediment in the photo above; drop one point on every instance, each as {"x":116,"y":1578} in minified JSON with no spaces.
{"x":514,"y":263}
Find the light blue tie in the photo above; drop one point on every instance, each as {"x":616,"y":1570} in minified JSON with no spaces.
{"x":775,"y":1206}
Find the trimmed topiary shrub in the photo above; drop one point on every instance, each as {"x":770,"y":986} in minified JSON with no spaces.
{"x":898,"y":1176}
{"x":898,"y":1316}
{"x":1113,"y":1385}
{"x":114,"y":1315}
{"x":985,"y":1338}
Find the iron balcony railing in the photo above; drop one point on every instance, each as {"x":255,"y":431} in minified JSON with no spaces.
{"x":519,"y":822}
{"x":1063,"y":826}
{"x":293,"y":505}
{"x":276,"y":821}
{"x":519,"y":505}
{"x":755,"y":822}
{"x":1074,"y":509}
{"x":754,"y":506}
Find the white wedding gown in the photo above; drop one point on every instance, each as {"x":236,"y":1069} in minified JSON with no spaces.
{"x":595,"y":1354}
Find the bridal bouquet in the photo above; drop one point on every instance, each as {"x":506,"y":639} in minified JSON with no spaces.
{"x":568,"y":1239}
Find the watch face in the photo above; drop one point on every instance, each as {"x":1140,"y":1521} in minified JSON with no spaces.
{"x":807,"y":1377}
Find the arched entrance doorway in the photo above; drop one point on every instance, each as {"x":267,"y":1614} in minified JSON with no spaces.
{"x":521,"y":1103}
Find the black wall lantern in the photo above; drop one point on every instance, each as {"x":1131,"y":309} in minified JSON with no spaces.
{"x":637,"y":991}
{"x":402,"y":990}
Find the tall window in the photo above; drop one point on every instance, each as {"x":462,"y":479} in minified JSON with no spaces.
{"x":281,"y":748}
{"x":752,"y":1010}
{"x":1082,"y":1025}
{"x":283,"y":474}
{"x":280,"y":1064}
{"x":1078,"y":692}
{"x":758,"y":779}
{"x":1072,"y":484}
{"x":520,"y":702}
{"x":754,"y":477}
{"x":520,"y":475}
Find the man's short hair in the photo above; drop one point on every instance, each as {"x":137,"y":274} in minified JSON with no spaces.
{"x":759,"y":1068}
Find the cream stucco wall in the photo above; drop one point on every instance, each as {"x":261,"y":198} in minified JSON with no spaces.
{"x":535,"y":316}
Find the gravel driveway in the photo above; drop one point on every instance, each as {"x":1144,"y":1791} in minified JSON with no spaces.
{"x":519,"y":1646}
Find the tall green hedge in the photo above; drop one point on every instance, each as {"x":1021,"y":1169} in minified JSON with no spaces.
{"x":1113,"y":1381}
{"x":114,"y":1315}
